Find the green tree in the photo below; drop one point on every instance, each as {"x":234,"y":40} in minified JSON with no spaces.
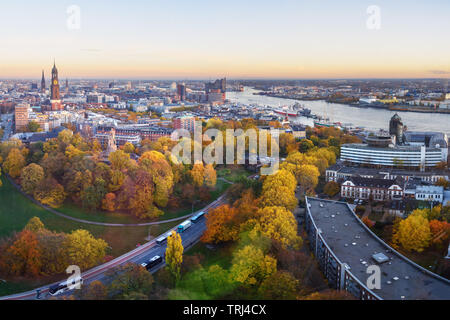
{"x":33,"y":126}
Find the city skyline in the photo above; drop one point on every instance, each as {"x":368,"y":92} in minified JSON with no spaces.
{"x":252,"y":40}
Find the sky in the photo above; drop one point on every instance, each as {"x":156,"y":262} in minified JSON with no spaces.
{"x":199,"y":39}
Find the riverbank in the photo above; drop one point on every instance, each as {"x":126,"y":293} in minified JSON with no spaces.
{"x":402,"y":108}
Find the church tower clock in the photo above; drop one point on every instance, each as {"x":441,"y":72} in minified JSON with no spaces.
{"x":55,"y":97}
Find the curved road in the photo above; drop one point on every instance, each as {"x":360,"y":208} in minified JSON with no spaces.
{"x":88,"y":221}
{"x":139,"y":255}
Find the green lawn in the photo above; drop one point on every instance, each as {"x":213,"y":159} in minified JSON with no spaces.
{"x":233,"y":174}
{"x":220,"y":255}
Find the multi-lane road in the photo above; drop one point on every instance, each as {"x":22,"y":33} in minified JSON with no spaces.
{"x":140,"y":255}
{"x":6,"y":122}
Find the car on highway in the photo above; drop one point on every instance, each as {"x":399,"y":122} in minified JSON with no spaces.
{"x":184,"y":226}
{"x":197,"y":217}
{"x":65,"y":286}
{"x":153,"y":262}
{"x":163,"y":238}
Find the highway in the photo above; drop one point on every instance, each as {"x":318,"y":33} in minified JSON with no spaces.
{"x":6,"y":121}
{"x":139,"y":255}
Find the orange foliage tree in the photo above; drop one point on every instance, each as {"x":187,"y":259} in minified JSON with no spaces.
{"x":221,"y":226}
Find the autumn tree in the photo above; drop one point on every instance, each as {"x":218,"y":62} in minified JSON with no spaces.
{"x":95,"y":291}
{"x":116,"y":180}
{"x":287,"y":143}
{"x":54,"y":255}
{"x":220,"y":225}
{"x":131,"y":280}
{"x":84,"y":250}
{"x":14,"y":163}
{"x":174,"y":254}
{"x":210,"y":176}
{"x":34,"y":225}
{"x":65,"y":137}
{"x":329,"y":295}
{"x":119,"y":160}
{"x":331,"y":188}
{"x":308,"y":177}
{"x":440,"y":231}
{"x":279,"y":224}
{"x":30,"y":177}
{"x":251,"y":266}
{"x":24,"y":255}
{"x":279,"y":190}
{"x":161,"y":174}
{"x":50,"y":192}
{"x":413,"y":233}
{"x":279,"y":286}
{"x":443,"y":183}
{"x":33,"y":126}
{"x":197,"y":174}
{"x":128,"y":148}
{"x":93,"y":195}
{"x":108,"y":203}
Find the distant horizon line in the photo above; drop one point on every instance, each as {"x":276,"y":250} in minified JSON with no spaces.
{"x":232,"y":79}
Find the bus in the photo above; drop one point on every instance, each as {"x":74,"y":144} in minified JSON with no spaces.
{"x":197,"y":217}
{"x":163,"y":238}
{"x":184,"y":226}
{"x":153,"y":262}
{"x":64,"y":286}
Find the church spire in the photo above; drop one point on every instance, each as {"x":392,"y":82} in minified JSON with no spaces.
{"x":43,"y":82}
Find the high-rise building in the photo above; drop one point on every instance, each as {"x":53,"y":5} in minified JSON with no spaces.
{"x":43,"y":82}
{"x":396,"y":128}
{"x":181,"y":91}
{"x":185,"y":122}
{"x":55,"y":98}
{"x":216,"y":91}
{"x":21,"y":115}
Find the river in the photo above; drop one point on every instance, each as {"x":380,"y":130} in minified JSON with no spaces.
{"x":370,"y":118}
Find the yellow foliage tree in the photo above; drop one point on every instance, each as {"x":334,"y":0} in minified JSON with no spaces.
{"x":84,"y":250}
{"x":14,"y":163}
{"x":308,"y":177}
{"x":174,"y":254}
{"x":30,"y":177}
{"x":251,"y":266}
{"x":279,"y":224}
{"x":210,"y":176}
{"x":413,"y":233}
{"x":197,"y":174}
{"x":279,"y":190}
{"x":161,"y":172}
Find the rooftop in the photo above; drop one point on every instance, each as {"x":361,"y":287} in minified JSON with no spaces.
{"x":396,"y":148}
{"x":430,"y":189}
{"x":355,"y":245}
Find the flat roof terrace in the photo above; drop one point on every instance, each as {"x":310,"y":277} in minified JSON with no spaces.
{"x":354,"y":244}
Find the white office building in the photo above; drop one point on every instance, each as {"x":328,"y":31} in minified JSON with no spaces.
{"x":430,"y":193}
